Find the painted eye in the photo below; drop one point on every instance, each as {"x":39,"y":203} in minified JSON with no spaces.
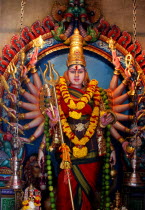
{"x":72,"y":72}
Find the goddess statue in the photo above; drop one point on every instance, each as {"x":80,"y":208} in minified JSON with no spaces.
{"x":83,"y":118}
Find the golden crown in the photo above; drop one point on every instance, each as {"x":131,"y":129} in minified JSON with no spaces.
{"x":76,"y":55}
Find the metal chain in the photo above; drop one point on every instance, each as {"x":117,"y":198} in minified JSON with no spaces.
{"x":135,"y":97}
{"x":22,"y":15}
{"x":134,"y":21}
{"x":19,"y":85}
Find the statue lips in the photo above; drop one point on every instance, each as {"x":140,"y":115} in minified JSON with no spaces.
{"x":76,"y":80}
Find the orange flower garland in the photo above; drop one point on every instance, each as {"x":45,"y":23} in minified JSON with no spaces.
{"x":82,"y":101}
{"x":92,"y":91}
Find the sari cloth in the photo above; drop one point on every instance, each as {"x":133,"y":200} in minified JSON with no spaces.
{"x":84,"y":171}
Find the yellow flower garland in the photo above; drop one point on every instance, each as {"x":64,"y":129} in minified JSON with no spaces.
{"x":83,"y":100}
{"x":79,"y":150}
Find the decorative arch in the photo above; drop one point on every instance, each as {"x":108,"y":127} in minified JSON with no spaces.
{"x":55,"y":49}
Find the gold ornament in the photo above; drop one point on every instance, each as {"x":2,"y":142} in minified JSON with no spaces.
{"x":38,"y":42}
{"x":32,"y":138}
{"x":76,"y":55}
{"x":111,"y":43}
{"x":129,"y":60}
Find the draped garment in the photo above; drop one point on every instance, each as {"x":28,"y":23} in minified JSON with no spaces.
{"x":84,"y":171}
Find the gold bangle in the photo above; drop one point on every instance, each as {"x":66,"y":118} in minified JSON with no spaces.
{"x":21,"y":116}
{"x":26,"y":127}
{"x":20,"y":103}
{"x":121,"y":140}
{"x":117,"y":71}
{"x":129,"y":92}
{"x":125,"y":82}
{"x":42,"y":146}
{"x":33,"y":70}
{"x":130,"y":117}
{"x":26,"y":80}
{"x":32,"y":138}
{"x":22,"y":91}
{"x":127,"y":130}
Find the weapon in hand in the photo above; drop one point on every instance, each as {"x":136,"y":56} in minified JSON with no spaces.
{"x":46,"y":86}
{"x":53,"y":82}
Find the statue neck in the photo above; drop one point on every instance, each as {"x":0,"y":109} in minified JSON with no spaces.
{"x":76,"y":86}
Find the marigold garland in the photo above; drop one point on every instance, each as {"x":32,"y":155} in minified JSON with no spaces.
{"x":79,"y":149}
{"x":83,"y":100}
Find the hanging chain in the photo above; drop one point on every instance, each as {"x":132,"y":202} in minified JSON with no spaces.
{"x":22,"y":15}
{"x":134,"y":21}
{"x":135,"y":97}
{"x":19,"y":84}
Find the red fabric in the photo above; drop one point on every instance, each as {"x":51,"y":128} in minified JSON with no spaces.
{"x":63,"y":194}
{"x":87,"y":110}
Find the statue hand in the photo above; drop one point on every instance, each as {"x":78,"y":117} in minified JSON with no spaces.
{"x":53,"y":119}
{"x":33,"y":57}
{"x":129,"y":151}
{"x":24,"y":71}
{"x":116,"y":60}
{"x":40,"y":157}
{"x":12,"y":111}
{"x":24,"y":140}
{"x":113,"y":158}
{"x":12,"y":97}
{"x":106,"y":119}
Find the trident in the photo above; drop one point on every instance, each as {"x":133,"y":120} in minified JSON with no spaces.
{"x":53,"y":83}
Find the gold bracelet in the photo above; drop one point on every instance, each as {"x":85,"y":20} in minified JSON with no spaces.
{"x":32,"y":138}
{"x":117,"y":71}
{"x":125,"y":82}
{"x":20,"y":103}
{"x":121,"y":140}
{"x":21,"y":116}
{"x":26,"y":127}
{"x":33,"y":70}
{"x":129,"y":92}
{"x":26,"y":80}
{"x":22,"y":91}
{"x":130,"y":117}
{"x":42,"y":146}
{"x":127,"y":130}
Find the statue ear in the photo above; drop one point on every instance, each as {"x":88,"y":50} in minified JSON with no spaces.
{"x":65,"y":75}
{"x":86,"y":79}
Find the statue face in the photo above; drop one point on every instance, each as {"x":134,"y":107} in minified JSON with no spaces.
{"x":76,"y":75}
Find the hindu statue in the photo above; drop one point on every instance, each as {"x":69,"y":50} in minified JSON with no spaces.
{"x":83,"y":117}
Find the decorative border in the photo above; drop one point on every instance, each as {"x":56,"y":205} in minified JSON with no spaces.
{"x":24,"y":42}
